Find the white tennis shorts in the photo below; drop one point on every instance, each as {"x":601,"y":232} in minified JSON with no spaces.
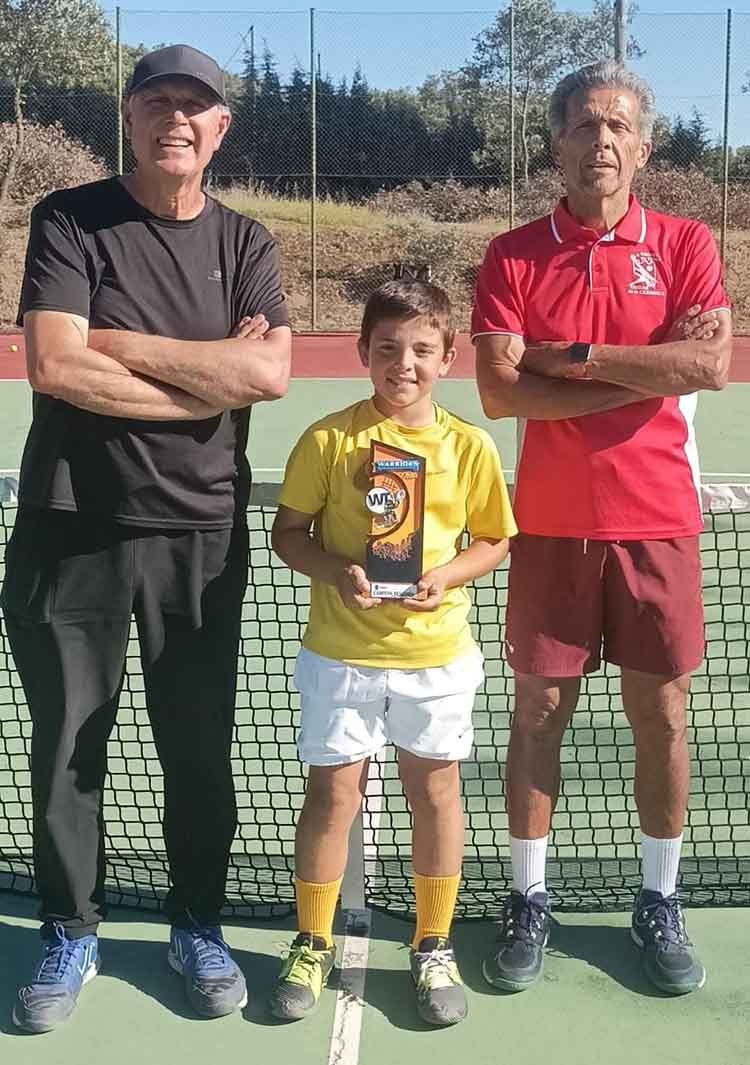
{"x":350,"y":712}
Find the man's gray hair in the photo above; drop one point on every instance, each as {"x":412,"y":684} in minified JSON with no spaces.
{"x":608,"y":74}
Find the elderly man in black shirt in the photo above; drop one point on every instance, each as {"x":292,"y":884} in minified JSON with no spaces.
{"x":154,"y":319}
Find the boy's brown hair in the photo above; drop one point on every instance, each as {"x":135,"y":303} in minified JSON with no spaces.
{"x":405,"y":299}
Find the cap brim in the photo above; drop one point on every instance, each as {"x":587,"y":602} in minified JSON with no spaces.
{"x":218,"y":98}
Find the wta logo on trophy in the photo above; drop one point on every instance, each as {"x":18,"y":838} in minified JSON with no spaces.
{"x":395,"y":502}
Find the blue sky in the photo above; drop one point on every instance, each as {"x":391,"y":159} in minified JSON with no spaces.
{"x":684,"y":58}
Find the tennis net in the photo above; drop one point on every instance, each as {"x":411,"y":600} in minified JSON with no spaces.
{"x":594,"y":846}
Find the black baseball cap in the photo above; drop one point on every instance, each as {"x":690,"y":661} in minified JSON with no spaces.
{"x":178,"y":60}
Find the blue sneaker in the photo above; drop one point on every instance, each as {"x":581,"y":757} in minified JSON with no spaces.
{"x":51,"y":996}
{"x":669,"y":958}
{"x":214,"y":984}
{"x":517,"y":959}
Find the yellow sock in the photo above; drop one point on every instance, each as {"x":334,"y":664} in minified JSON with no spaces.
{"x":436,"y":901}
{"x":316,"y":905}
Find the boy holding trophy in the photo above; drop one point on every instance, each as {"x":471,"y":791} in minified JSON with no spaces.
{"x":373,"y":509}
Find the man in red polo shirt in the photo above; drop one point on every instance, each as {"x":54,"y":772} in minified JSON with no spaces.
{"x":595,"y":327}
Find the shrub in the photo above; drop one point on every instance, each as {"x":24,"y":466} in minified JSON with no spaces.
{"x":444,"y":201}
{"x":49,"y":160}
{"x":538,"y":197}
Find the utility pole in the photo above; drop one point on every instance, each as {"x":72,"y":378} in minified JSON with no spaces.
{"x":620,"y":31}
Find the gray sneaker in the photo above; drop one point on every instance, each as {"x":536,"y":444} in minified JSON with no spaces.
{"x":441,"y":998}
{"x":670,"y":959}
{"x":518,"y":956}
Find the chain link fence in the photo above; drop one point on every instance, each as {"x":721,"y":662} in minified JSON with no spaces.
{"x":365,"y":139}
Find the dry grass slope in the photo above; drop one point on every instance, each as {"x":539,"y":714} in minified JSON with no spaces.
{"x":357,"y":246}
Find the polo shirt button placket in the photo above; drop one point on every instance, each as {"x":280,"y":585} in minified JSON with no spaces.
{"x":598,"y":270}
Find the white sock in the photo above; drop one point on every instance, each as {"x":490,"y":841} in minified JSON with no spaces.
{"x":660,"y":860}
{"x":528,"y":857}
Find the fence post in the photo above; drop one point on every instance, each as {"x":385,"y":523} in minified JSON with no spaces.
{"x":118,"y":91}
{"x":314,"y":179}
{"x":725,"y":176}
{"x":511,"y":101}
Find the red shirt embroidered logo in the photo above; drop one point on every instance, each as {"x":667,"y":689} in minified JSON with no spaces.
{"x":645,"y":278}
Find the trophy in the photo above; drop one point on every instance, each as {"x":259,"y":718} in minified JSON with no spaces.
{"x":396,"y":505}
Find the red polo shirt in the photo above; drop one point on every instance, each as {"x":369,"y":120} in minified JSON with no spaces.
{"x":626,"y":474}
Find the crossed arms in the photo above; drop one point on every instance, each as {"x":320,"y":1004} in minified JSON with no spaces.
{"x":133,"y":375}
{"x":540,"y":382}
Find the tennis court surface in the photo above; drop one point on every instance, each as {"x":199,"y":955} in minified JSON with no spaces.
{"x":593,"y":1004}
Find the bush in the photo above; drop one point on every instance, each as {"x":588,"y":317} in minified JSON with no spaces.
{"x":538,"y":197}
{"x":689,"y":191}
{"x":684,"y":191}
{"x":49,"y":160}
{"x":444,"y":201}
{"x":445,"y":248}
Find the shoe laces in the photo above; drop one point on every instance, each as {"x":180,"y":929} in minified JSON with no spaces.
{"x":210,"y":949}
{"x":300,"y":964}
{"x":665,"y":919}
{"x":437,"y":968}
{"x":523,"y":919}
{"x":59,"y":955}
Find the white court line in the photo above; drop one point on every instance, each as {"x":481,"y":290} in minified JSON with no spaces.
{"x":705,"y":474}
{"x":347,"y":1019}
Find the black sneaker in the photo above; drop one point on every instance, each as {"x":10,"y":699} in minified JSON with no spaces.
{"x":303,"y":976}
{"x":517,"y":959}
{"x":670,"y":960}
{"x":441,"y":998}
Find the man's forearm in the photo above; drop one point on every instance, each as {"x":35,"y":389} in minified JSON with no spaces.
{"x":672,"y":369}
{"x":675,"y":368}
{"x":509,"y":393}
{"x":96,"y":383}
{"x":227,"y":374}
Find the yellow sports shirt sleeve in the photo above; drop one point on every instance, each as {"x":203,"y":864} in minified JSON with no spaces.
{"x":488,"y":509}
{"x":306,"y":478}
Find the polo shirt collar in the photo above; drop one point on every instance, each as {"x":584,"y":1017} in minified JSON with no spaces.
{"x":631,"y":228}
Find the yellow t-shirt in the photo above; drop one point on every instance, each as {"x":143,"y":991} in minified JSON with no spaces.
{"x":326,"y":475}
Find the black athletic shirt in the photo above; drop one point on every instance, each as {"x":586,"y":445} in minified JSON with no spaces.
{"x":96,"y":252}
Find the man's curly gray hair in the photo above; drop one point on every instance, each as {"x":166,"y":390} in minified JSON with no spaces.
{"x":604,"y":75}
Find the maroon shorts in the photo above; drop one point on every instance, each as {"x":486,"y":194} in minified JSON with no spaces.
{"x":641,"y":600}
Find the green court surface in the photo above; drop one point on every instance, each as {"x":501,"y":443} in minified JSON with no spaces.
{"x":592,"y":1007}
{"x":722,"y":425}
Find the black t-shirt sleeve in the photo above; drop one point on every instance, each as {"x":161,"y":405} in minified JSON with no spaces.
{"x":55,"y":276}
{"x":258,"y":286}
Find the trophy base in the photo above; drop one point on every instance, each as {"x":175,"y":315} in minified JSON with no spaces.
{"x":392,"y":589}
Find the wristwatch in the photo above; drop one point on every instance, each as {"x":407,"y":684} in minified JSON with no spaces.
{"x":579,"y":352}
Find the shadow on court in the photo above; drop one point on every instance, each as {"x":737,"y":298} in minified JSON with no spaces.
{"x":606,"y":949}
{"x":141,"y":963}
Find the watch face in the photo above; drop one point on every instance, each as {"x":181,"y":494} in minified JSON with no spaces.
{"x":579,"y":352}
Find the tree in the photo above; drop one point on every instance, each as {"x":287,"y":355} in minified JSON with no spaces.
{"x":62,"y":42}
{"x":548,"y":43}
{"x":593,"y":36}
{"x":539,"y":54}
{"x":688,"y":142}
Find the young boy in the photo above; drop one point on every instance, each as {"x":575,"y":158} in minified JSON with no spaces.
{"x":403,"y":670}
